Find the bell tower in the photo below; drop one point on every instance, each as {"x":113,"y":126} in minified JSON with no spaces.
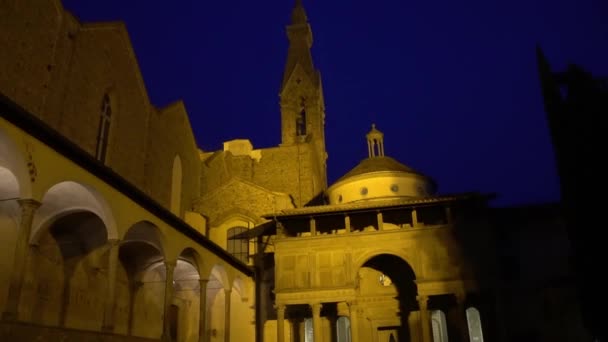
{"x":301,"y":95}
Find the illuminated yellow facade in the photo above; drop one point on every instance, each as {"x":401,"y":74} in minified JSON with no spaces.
{"x":115,"y":226}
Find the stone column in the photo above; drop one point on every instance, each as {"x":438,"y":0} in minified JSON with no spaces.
{"x":380,"y":221}
{"x":202,"y":317}
{"x":414,"y":218}
{"x":425,"y":320}
{"x":134,"y":287}
{"x":316,"y":321}
{"x":346,"y":224}
{"x":313,"y":226}
{"x":354,"y":321}
{"x":280,"y":323}
{"x":169,"y":269}
{"x":110,"y":300}
{"x":28,"y":208}
{"x":227,"y":293}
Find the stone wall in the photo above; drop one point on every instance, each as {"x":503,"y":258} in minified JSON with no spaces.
{"x":60,"y":70}
{"x":170,"y":135}
{"x":287,"y":169}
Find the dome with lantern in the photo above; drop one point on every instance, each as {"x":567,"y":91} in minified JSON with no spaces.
{"x":379,"y":177}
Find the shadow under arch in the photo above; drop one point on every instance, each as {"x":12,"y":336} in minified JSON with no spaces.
{"x":67,"y":197}
{"x":403,"y":277}
{"x":67,"y":260}
{"x":141,"y":255}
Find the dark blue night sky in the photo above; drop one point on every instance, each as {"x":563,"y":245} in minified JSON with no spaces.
{"x":452,"y":84}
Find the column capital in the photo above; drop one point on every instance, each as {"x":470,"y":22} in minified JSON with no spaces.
{"x":227,"y":291}
{"x":316,"y":307}
{"x":113,"y":243}
{"x":28,"y":203}
{"x":170,"y":264}
{"x":422,"y":301}
{"x":203,"y":280}
{"x":280,"y":307}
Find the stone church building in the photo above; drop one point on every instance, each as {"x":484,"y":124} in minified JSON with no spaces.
{"x":114,"y":230}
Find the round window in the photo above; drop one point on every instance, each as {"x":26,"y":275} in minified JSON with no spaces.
{"x":363,"y":191}
{"x":395,"y":188}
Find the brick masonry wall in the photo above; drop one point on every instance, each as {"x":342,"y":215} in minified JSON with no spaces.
{"x":59,"y":70}
{"x":287,"y":169}
{"x":171,"y":135}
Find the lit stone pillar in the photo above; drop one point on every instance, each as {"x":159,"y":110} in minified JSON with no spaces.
{"x":28,"y":208}
{"x":425,"y":320}
{"x":134,"y":287}
{"x":347,"y":224}
{"x":202,"y":336}
{"x":313,"y":226}
{"x":316,"y":322}
{"x":227,"y":293}
{"x":110,"y":300}
{"x":169,"y":269}
{"x":414,"y":218}
{"x":280,"y":323}
{"x":354,"y":321}
{"x":380,"y":221}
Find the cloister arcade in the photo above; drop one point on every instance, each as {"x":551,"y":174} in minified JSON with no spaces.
{"x":79,"y":254}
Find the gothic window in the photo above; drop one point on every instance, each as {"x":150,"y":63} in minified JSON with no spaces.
{"x":301,"y":119}
{"x":474,"y":324}
{"x":238,"y":247}
{"x":104,"y":129}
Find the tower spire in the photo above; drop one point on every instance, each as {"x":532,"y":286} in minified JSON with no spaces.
{"x":300,"y":42}
{"x":298,"y":15}
{"x":302,"y":104}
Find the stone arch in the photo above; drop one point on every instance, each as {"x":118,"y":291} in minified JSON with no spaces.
{"x":140,"y":284}
{"x":218,"y":286}
{"x":176,"y":186}
{"x":12,"y":160}
{"x":9,"y":228}
{"x":241,"y":311}
{"x":65,"y":270}
{"x":218,"y":272}
{"x":146,"y":232}
{"x":238,"y":286}
{"x":184,"y":320}
{"x":237,"y":213}
{"x":370,"y":254}
{"x":68,"y":197}
{"x":402,"y":277}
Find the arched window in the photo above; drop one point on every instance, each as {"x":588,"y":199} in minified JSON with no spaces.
{"x":176,"y":186}
{"x":474,"y":324}
{"x":439,"y":325}
{"x":343,"y":329}
{"x":301,"y":119}
{"x":103,"y":131}
{"x":238,"y":247}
